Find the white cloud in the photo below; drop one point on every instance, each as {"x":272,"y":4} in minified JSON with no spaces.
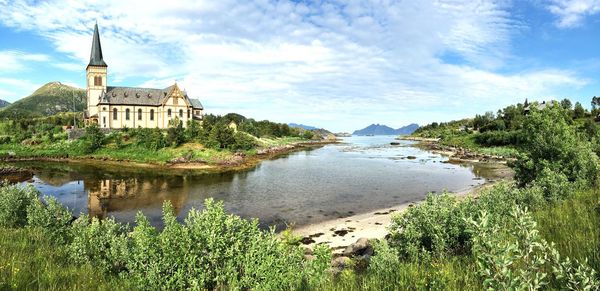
{"x":571,"y":13}
{"x":11,"y":61}
{"x":339,"y":64}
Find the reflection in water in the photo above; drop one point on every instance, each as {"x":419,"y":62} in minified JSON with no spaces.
{"x":304,"y":187}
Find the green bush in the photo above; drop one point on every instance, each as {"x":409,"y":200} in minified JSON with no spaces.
{"x":175,"y":133}
{"x":513,"y":256}
{"x":52,"y":218}
{"x":435,"y":227}
{"x":243,"y":141}
{"x":94,"y":138}
{"x":14,"y":202}
{"x":102,"y":243}
{"x":549,"y":141}
{"x":498,"y":138}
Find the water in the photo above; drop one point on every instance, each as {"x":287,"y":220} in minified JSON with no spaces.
{"x":362,"y":174}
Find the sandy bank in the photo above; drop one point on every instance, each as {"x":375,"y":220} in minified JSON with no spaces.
{"x":341,"y":232}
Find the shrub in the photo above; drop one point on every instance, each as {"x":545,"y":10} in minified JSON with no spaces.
{"x":175,"y":133}
{"x":550,"y":142}
{"x":102,"y":243}
{"x":14,"y":202}
{"x":243,"y":141}
{"x":52,"y":218}
{"x":498,"y":138}
{"x":307,"y":134}
{"x":434,"y":227}
{"x":513,"y":256}
{"x":94,"y":138}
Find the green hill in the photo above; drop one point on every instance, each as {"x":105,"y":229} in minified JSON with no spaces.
{"x":49,"y":99}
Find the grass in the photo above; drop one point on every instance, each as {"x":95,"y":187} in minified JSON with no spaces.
{"x":134,"y":153}
{"x":456,"y":273}
{"x":29,"y":261}
{"x":574,"y":226}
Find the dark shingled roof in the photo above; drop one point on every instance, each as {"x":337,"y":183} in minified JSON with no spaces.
{"x":96,"y":55}
{"x":135,"y":96}
{"x":196,"y":103}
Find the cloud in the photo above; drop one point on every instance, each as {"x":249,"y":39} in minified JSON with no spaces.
{"x":571,"y":13}
{"x":11,"y":61}
{"x":339,"y":64}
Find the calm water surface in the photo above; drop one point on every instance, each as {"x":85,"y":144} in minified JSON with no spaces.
{"x":362,"y":174}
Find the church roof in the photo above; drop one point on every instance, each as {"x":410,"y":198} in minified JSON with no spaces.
{"x":196,"y":103}
{"x":135,"y":96}
{"x":96,"y":58}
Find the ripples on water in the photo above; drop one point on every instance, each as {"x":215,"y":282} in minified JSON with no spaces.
{"x":362,"y":174}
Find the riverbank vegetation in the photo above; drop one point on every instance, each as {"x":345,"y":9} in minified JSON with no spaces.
{"x":503,"y":133}
{"x":540,"y":232}
{"x":215,"y":140}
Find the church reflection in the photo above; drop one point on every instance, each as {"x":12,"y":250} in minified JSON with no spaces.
{"x":116,"y":195}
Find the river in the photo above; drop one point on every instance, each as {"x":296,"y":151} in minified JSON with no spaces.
{"x":358,"y":175}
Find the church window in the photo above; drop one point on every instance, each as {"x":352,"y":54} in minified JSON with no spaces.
{"x":97,"y":81}
{"x":139,"y":114}
{"x":127,"y":114}
{"x":180,"y":113}
{"x":115,"y":114}
{"x":169,"y":112}
{"x":151,"y":114}
{"x":188,"y":113}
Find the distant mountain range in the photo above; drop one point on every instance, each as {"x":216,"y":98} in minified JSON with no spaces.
{"x":49,"y":99}
{"x":4,"y":103}
{"x":379,"y":129}
{"x":307,"y":127}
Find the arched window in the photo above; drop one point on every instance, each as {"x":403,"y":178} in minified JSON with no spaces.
{"x":115,"y":114}
{"x":127,"y":114}
{"x":169,"y":112}
{"x":139,"y":114}
{"x":188,"y":113}
{"x":151,"y":114}
{"x":180,"y":113}
{"x":97,"y":81}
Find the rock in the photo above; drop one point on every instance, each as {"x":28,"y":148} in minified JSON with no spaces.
{"x":362,"y":247}
{"x":308,"y":251}
{"x":394,"y":143}
{"x":411,"y":157}
{"x":307,"y":240}
{"x":341,"y":263}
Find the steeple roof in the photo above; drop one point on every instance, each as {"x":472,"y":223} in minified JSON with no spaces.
{"x":96,"y":55}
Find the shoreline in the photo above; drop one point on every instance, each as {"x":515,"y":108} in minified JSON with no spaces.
{"x":341,"y":232}
{"x":455,"y":154}
{"x":243,"y":162}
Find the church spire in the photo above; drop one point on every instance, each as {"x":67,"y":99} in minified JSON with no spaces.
{"x":96,"y":55}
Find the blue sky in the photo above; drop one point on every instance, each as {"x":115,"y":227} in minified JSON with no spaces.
{"x":341,"y":65}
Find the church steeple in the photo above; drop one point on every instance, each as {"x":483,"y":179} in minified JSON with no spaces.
{"x":96,"y":55}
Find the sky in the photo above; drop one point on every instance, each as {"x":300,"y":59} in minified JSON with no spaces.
{"x":341,"y":65}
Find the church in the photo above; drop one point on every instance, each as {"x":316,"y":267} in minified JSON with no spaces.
{"x":129,"y":107}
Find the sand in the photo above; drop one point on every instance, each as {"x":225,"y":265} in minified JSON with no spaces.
{"x":372,"y":225}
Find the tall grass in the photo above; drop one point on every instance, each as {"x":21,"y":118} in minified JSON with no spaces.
{"x":574,"y":226}
{"x":29,"y":260}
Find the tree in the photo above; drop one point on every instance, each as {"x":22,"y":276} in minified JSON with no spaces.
{"x":94,"y":138}
{"x":566,"y":104}
{"x":579,"y":111}
{"x":175,"y":133}
{"x":549,"y":142}
{"x":595,"y":105}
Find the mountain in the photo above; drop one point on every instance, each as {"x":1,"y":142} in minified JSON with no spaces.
{"x":377,"y":129}
{"x":4,"y":103}
{"x":307,"y":127}
{"x":48,"y":100}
